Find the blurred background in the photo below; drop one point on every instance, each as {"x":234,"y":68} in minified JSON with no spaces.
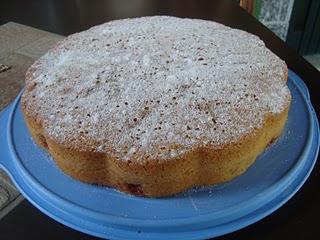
{"x":296,"y":22}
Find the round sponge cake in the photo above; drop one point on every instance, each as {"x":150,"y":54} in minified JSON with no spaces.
{"x":155,"y":105}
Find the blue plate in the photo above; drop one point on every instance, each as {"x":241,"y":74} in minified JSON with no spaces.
{"x":198,"y":213}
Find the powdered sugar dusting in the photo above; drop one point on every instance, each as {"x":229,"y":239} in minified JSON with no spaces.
{"x":155,"y":87}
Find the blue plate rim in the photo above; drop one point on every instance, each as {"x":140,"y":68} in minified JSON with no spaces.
{"x":233,"y":226}
{"x":301,"y":87}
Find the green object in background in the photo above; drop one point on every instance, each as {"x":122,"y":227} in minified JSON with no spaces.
{"x":257,"y":8}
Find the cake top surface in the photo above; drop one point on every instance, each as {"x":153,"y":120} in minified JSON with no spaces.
{"x":155,"y":87}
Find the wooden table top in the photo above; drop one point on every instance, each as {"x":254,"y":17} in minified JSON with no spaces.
{"x":20,"y":46}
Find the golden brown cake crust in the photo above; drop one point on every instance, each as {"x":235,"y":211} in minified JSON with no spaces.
{"x":149,"y":116}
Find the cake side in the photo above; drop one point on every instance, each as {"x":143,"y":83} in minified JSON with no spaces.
{"x":156,"y":178}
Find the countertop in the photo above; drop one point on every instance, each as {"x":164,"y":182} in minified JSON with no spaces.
{"x":20,"y":45}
